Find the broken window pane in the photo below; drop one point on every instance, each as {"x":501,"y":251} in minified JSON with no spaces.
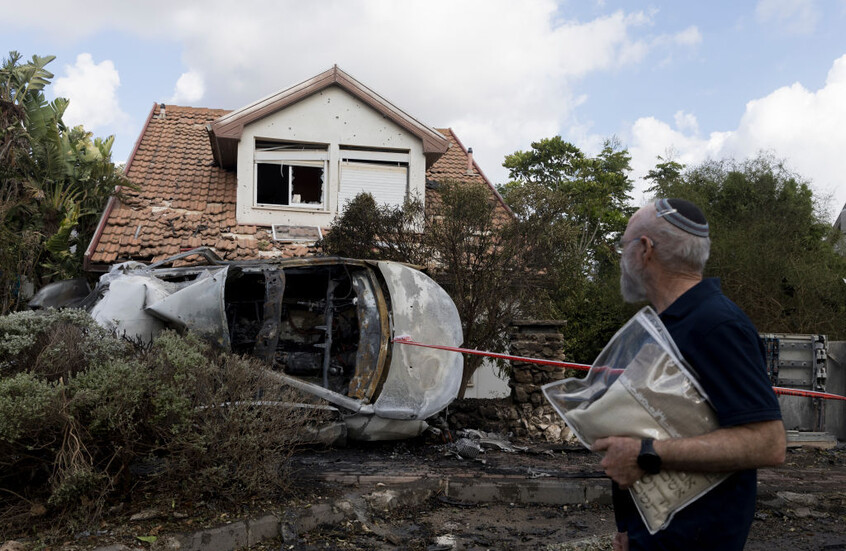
{"x":307,"y":182}
{"x":272,"y":184}
{"x":289,"y":183}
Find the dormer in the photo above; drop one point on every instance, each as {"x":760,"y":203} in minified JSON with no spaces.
{"x":301,"y":153}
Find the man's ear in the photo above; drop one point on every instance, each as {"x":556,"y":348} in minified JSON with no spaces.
{"x":648,"y":247}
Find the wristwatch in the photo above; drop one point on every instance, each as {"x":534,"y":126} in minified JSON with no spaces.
{"x":647,"y":459}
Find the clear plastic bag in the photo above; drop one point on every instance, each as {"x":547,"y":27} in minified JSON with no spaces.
{"x":640,"y":386}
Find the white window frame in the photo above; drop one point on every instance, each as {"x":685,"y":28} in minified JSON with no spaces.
{"x":293,"y":158}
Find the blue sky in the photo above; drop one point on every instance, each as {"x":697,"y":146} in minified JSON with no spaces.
{"x":696,"y":80}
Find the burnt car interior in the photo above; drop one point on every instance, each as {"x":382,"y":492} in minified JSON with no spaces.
{"x":308,"y":321}
{"x":322,"y":324}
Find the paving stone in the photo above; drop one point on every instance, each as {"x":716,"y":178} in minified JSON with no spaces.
{"x":552,"y":492}
{"x":598,"y":493}
{"x":262,"y":528}
{"x":223,"y":538}
{"x":318,"y":515}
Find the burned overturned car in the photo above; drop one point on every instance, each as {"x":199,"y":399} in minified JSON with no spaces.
{"x":324,"y":325}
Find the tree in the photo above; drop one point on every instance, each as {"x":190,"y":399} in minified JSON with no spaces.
{"x":770,"y":243}
{"x":480,"y":257}
{"x":55,"y":181}
{"x":597,"y":188}
{"x":587,"y":203}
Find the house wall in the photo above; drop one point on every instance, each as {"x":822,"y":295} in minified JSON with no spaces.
{"x":332,"y":117}
{"x":487,"y":383}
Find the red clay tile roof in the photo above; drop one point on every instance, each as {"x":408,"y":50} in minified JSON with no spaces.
{"x":453,"y":165}
{"x":185,"y":201}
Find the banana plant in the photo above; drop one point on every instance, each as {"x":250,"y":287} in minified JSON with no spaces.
{"x":55,"y":179}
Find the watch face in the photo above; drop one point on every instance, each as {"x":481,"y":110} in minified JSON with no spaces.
{"x":649,"y":462}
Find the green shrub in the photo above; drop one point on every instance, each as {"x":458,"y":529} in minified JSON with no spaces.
{"x":111,"y":397}
{"x":28,"y":405}
{"x":55,"y":343}
{"x":76,"y":484}
{"x":82,"y":412}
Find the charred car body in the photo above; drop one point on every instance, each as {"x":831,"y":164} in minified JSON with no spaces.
{"x":324,"y":325}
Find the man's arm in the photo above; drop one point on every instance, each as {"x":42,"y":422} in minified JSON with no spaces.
{"x":723,"y":450}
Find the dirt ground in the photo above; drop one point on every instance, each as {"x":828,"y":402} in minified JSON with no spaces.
{"x":801,"y":505}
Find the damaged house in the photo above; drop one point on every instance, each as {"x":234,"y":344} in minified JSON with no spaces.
{"x":263,"y":181}
{"x":253,"y":190}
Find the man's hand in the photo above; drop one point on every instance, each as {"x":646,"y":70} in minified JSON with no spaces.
{"x":620,"y":461}
{"x":621,"y":541}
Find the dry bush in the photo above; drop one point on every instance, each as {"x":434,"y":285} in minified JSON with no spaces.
{"x":243,"y":423}
{"x":86,"y":418}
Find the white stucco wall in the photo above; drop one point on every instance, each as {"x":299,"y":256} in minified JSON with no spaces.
{"x":332,"y":117}
{"x":487,"y":383}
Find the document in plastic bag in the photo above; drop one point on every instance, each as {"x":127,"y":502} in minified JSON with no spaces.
{"x":640,"y":386}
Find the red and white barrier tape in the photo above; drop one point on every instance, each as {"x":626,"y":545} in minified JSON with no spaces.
{"x":404,"y":339}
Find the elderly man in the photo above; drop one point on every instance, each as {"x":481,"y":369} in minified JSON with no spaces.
{"x":664,"y":250}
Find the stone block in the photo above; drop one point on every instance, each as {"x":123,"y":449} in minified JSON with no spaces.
{"x":262,"y":528}
{"x":474,"y":492}
{"x":552,"y":492}
{"x":408,"y":495}
{"x":520,"y":394}
{"x":490,"y":412}
{"x":223,"y":538}
{"x":598,"y":493}
{"x":522,"y":375}
{"x":317,"y":515}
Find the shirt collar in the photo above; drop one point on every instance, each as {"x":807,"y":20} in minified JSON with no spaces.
{"x":692,"y":298}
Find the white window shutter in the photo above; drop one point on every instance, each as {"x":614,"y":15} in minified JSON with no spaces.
{"x":386,"y":183}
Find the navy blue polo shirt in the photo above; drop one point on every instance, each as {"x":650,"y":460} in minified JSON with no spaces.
{"x":723,"y":347}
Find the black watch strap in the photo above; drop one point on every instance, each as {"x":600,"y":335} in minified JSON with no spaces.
{"x":648,"y":459}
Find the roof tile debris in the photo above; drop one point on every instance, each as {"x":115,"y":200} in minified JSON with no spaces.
{"x":184,"y":201}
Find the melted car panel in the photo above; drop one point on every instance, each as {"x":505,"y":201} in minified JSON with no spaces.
{"x":322,"y":324}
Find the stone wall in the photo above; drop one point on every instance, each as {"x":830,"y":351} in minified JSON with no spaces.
{"x":526,"y":413}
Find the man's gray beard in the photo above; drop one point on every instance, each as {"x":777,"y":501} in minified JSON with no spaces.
{"x":631,"y":286}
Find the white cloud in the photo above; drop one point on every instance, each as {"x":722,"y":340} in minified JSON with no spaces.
{"x":501,"y":73}
{"x":806,"y":128}
{"x":686,"y":122}
{"x":190,"y":89}
{"x":92,"y":91}
{"x":792,"y":16}
{"x":688,"y":37}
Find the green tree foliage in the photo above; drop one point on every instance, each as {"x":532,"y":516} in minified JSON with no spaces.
{"x":597,"y":187}
{"x":479,"y":254}
{"x":366,"y":229}
{"x":584,"y":201}
{"x":770,"y":243}
{"x":54,"y":181}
